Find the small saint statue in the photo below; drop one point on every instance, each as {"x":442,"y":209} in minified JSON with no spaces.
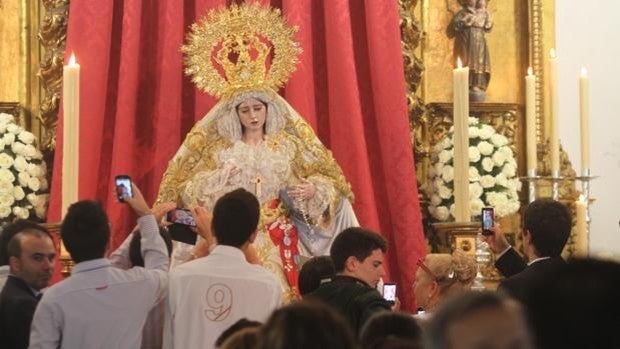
{"x":468,"y":28}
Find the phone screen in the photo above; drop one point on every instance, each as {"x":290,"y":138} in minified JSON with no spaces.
{"x":487,"y":220}
{"x":123,"y":187}
{"x":389,"y":292}
{"x":181,"y":216}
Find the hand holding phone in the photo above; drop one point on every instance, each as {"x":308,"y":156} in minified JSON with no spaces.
{"x":123,"y":187}
{"x":389,"y":292}
{"x":488,"y":220}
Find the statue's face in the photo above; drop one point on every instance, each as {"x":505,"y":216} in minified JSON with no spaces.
{"x":252,"y":114}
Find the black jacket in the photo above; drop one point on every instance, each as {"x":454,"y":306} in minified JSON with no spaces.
{"x":17,"y":305}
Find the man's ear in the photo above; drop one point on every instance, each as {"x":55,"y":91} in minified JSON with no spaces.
{"x":527,"y":236}
{"x":15,"y":264}
{"x":253,"y":236}
{"x":351,"y":264}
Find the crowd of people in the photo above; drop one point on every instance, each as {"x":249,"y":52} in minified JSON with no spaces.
{"x":222,"y":297}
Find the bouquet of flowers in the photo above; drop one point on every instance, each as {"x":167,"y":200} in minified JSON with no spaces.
{"x":23,"y":185}
{"x":492,"y":174}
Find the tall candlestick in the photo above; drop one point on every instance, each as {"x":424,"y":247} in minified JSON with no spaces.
{"x":554,"y":141}
{"x":581,"y":227}
{"x":71,"y":137}
{"x":584,"y":105}
{"x":460,"y":79}
{"x":530,"y":110}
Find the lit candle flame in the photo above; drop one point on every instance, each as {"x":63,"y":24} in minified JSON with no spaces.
{"x":552,"y":53}
{"x":530,"y":71}
{"x":584,"y":72}
{"x":459,"y":64}
{"x":72,"y":59}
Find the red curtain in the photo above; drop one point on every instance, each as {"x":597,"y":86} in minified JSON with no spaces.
{"x":136,"y":106}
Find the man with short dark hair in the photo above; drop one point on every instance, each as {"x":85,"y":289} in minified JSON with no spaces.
{"x":100,"y":305}
{"x":7,"y":233}
{"x":546,"y":228}
{"x":209,"y":294}
{"x":358,"y":258}
{"x":31,"y":253}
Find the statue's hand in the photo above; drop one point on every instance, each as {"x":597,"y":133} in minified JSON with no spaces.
{"x":232,"y":173}
{"x":304,"y":191}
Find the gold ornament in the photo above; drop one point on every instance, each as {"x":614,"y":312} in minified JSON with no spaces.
{"x":238,"y":35}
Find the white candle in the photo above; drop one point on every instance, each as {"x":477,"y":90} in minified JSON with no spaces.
{"x":554,"y":141}
{"x":71,"y":127}
{"x":460,"y":78}
{"x":530,"y":111}
{"x":584,"y":105}
{"x":581,"y":227}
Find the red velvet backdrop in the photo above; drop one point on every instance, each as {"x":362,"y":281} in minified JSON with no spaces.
{"x":136,"y":105}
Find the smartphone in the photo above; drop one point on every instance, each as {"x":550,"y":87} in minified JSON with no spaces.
{"x":488,"y":220}
{"x":389,"y":292}
{"x":181,"y":216}
{"x":123,"y":187}
{"x":183,"y":233}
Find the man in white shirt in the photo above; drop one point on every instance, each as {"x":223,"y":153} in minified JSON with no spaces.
{"x":101,"y":306}
{"x":209,"y":294}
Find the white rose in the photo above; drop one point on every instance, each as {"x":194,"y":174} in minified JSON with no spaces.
{"x":472,"y":120}
{"x":2,"y":128}
{"x":501,"y":180}
{"x":33,"y":170}
{"x":448,"y":173}
{"x":34,"y":184}
{"x":442,"y":213}
{"x":444,"y":192}
{"x":5,"y":187}
{"x":1,"y":142}
{"x":499,"y":140}
{"x":452,"y":209}
{"x":26,"y":137}
{"x":17,"y":211}
{"x":507,"y":151}
{"x":30,"y":151}
{"x":14,"y":129}
{"x":435,"y":200}
{"x":18,"y":193}
{"x":41,"y":205}
{"x":18,"y":148}
{"x":509,"y":170}
{"x":475,"y":191}
{"x":474,"y":154}
{"x":20,"y":163}
{"x":475,"y":206}
{"x":487,"y":181}
{"x":474,"y":132}
{"x":7,"y":199}
{"x":438,"y":167}
{"x":6,"y":118}
{"x":8,"y":138}
{"x":485,"y":148}
{"x":474,"y":176}
{"x":5,"y":160}
{"x":499,"y":158}
{"x":5,"y":211}
{"x":6,"y":175}
{"x":25,"y":214}
{"x":487,"y":164}
{"x":23,"y":178}
{"x":445,"y":156}
{"x":486,"y":132}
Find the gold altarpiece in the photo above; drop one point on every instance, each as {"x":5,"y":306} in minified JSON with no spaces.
{"x":522,"y":36}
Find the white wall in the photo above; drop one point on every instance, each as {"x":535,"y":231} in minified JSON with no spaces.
{"x":588,"y":34}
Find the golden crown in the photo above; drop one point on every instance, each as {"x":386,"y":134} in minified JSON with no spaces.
{"x":240,"y":36}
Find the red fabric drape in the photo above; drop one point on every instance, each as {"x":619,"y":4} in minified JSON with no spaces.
{"x":137,"y":106}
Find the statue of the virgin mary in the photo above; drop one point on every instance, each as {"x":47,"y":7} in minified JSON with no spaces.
{"x":253,"y":139}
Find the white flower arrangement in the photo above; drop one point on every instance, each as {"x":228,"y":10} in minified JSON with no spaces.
{"x":492,"y":174}
{"x":23,"y":185}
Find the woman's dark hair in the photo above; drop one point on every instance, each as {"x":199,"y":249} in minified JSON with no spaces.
{"x":313,"y":272}
{"x":390,"y":325}
{"x":135,"y":246}
{"x":306,"y":325}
